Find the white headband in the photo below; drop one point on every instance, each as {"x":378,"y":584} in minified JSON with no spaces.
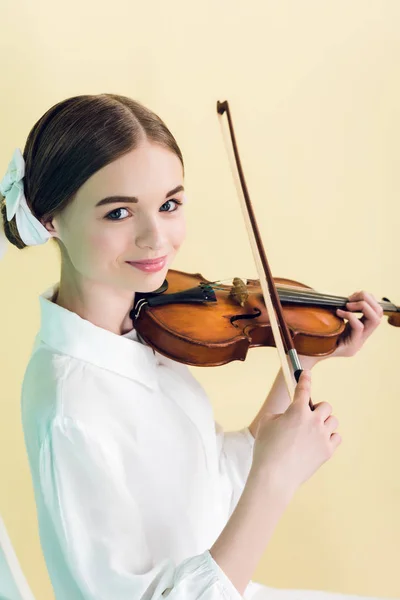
{"x":30,"y":229}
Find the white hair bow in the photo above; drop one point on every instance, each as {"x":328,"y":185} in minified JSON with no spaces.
{"x":30,"y":229}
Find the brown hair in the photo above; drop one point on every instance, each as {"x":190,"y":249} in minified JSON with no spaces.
{"x":74,"y":139}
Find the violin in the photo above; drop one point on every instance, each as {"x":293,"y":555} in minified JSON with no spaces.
{"x":210,"y":323}
{"x":204,"y":323}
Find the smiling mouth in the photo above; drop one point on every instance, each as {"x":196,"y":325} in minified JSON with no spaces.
{"x":150,"y":266}
{"x":147,"y":261}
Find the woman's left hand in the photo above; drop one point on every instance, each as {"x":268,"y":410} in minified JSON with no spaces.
{"x":357,"y":330}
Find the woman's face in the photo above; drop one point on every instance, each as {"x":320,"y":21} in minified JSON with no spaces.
{"x":99,"y":238}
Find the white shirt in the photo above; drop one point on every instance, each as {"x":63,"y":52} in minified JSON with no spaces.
{"x":133,"y":479}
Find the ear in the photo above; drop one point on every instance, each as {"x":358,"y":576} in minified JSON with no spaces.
{"x":51,"y":226}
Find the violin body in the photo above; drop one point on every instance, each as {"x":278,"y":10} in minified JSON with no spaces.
{"x":218,"y":332}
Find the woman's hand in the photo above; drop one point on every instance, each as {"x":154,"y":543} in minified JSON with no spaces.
{"x":291,"y":446}
{"x":357,"y":330}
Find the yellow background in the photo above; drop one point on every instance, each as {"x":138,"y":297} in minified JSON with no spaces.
{"x":314,"y":91}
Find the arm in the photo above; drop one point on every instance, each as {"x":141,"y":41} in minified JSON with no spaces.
{"x":235,"y":456}
{"x":245,"y":537}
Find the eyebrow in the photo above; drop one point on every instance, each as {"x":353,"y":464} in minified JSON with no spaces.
{"x":133,"y":199}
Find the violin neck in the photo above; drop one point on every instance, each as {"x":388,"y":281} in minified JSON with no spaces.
{"x":306,"y":297}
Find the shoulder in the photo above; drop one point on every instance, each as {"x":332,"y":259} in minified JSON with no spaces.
{"x":71,"y":453}
{"x":43,"y":384}
{"x":56,"y":384}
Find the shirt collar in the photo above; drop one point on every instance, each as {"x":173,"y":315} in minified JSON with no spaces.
{"x":66,"y":332}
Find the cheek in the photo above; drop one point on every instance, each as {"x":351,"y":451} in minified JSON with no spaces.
{"x":105,"y":246}
{"x":95,"y":252}
{"x":84,"y":254}
{"x":178,"y":233}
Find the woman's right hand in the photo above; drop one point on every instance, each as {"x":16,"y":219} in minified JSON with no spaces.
{"x":290,"y":447}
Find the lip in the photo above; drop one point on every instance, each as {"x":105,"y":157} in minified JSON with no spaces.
{"x":151,"y":265}
{"x":147,"y":261}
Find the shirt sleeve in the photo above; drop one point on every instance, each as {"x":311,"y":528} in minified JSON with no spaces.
{"x":100,"y":530}
{"x":235,"y":451}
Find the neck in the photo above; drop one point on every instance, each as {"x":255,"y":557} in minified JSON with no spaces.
{"x":104,"y":306}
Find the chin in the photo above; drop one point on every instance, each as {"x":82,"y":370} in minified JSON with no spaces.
{"x":151,"y":282}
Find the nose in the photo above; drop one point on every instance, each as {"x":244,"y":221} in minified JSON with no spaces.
{"x":151,"y":234}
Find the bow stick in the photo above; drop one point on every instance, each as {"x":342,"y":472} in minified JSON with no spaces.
{"x":283,"y":339}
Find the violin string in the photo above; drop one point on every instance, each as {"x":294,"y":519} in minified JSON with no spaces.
{"x":312,"y":299}
{"x":296,"y":291}
{"x":303,"y":294}
{"x":298,"y":297}
{"x":311,"y":296}
{"x":328,"y":300}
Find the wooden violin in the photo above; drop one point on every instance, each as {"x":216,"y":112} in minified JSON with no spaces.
{"x":204,"y":323}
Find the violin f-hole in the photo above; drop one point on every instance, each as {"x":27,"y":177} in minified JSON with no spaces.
{"x":257,"y":313}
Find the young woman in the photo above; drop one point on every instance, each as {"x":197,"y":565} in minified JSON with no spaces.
{"x":140,"y":494}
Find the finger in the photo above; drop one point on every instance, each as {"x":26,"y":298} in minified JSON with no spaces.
{"x":373,"y":302}
{"x":336,"y":439}
{"x":371,"y":319}
{"x":302,"y":391}
{"x":363,"y":306}
{"x":355,"y":326}
{"x":322,"y":410}
{"x":370,"y":299}
{"x":331,"y":423}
